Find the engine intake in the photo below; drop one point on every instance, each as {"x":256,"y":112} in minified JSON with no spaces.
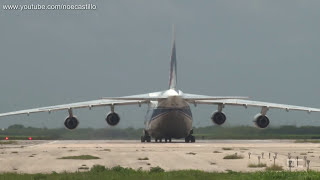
{"x":218,"y":118}
{"x":261,"y":121}
{"x":113,"y":119}
{"x":71,"y":123}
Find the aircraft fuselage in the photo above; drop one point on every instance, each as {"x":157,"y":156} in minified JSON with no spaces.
{"x":169,"y":118}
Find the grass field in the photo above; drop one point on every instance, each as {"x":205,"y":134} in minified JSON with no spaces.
{"x":4,"y":142}
{"x":156,"y":173}
{"x":233,"y":156}
{"x":81,"y":157}
{"x":274,"y":167}
{"x":257,"y":165}
{"x":307,"y":141}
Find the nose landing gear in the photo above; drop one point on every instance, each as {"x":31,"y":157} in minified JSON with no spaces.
{"x":165,"y":140}
{"x":190,"y":138}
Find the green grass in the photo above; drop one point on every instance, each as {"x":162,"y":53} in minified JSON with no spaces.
{"x":156,"y":170}
{"x":275,"y":168}
{"x":257,"y":165}
{"x":81,"y":157}
{"x":98,"y":168}
{"x":15,"y":136}
{"x":233,"y":156}
{"x":106,"y":150}
{"x":157,"y":173}
{"x":3,"y":142}
{"x":307,"y":141}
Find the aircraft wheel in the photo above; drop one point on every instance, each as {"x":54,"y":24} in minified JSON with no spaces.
{"x":187,"y":139}
{"x":166,"y":140}
{"x":143,"y":139}
{"x":193,"y":139}
{"x":169,"y":140}
{"x":160,"y":140}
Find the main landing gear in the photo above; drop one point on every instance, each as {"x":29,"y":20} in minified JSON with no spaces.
{"x":146,"y":137}
{"x":190,"y":138}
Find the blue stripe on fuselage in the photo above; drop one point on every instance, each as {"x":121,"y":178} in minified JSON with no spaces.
{"x":157,"y":112}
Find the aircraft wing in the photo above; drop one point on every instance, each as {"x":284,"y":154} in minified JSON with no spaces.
{"x":194,"y":97}
{"x":158,"y":96}
{"x":246,"y":103}
{"x":86,"y":104}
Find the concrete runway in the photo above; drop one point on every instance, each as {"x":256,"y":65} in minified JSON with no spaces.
{"x":42,"y":156}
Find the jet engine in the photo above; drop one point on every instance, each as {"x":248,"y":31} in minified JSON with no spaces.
{"x":113,"y":119}
{"x":218,"y":118}
{"x":261,"y":121}
{"x":71,"y":122}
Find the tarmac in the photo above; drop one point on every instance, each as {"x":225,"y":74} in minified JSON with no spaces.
{"x":44,"y":156}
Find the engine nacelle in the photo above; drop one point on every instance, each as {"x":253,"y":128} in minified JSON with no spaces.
{"x":71,"y":122}
{"x":261,"y":121}
{"x":218,"y":118}
{"x":113,"y":119}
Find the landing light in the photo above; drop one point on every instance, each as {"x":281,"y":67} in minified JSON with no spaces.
{"x":7,"y":138}
{"x":30,"y":138}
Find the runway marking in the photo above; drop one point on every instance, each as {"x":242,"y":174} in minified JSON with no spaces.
{"x":41,"y":144}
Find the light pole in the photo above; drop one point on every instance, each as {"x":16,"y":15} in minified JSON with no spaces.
{"x":305,"y":161}
{"x":290,"y":165}
{"x":308,"y":163}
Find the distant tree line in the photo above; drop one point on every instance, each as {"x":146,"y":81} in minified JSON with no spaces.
{"x":18,"y":131}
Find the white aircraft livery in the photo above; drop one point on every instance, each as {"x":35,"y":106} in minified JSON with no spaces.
{"x":169,"y":115}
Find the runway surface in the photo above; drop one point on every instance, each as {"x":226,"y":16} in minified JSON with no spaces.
{"x":43,"y":156}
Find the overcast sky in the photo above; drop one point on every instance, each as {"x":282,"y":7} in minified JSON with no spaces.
{"x":268,"y":50}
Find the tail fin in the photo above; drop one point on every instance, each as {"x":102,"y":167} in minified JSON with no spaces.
{"x":173,"y":65}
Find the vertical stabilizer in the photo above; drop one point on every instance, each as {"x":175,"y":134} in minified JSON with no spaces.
{"x":173,"y":64}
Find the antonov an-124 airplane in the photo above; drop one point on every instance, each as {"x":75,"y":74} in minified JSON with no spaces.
{"x":169,"y":115}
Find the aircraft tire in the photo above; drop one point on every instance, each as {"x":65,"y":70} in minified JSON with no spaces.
{"x":193,"y":139}
{"x":187,"y":139}
{"x":149,"y":139}
{"x":143,"y":139}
